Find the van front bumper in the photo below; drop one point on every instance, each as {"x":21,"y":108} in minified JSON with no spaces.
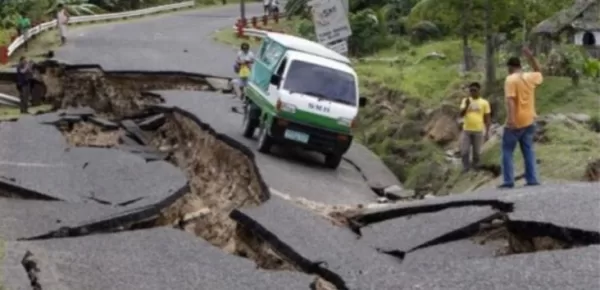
{"x":320,"y":140}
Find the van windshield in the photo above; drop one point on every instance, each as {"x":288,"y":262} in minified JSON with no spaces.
{"x":321,"y":82}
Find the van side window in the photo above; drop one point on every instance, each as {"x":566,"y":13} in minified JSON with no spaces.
{"x":281,"y":67}
{"x":263,"y":48}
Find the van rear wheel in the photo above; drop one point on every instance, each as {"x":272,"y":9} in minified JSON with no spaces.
{"x":333,"y":160}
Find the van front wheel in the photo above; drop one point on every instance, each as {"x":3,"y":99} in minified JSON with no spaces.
{"x":333,"y":160}
{"x":264,"y":140}
{"x":250,"y":123}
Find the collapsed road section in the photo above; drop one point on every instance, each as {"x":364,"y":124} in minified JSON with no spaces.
{"x":112,"y":189}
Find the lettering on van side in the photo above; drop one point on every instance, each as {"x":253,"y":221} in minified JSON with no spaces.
{"x":319,"y":108}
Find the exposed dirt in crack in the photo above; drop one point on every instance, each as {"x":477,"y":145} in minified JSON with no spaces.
{"x":90,"y":135}
{"x":513,"y":237}
{"x":110,"y":93}
{"x":221,"y":179}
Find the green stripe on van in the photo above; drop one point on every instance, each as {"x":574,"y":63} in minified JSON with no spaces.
{"x":300,"y":116}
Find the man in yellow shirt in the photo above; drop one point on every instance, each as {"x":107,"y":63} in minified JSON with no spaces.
{"x":476,"y":112}
{"x":519,"y":92}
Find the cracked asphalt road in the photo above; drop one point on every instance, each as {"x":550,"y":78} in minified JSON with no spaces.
{"x":158,"y":44}
{"x":166,"y":258}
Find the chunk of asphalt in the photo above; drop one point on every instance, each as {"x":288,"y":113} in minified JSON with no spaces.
{"x":407,"y":233}
{"x":146,"y":152}
{"x":79,"y":111}
{"x":106,"y":124}
{"x":26,"y":218}
{"x":161,"y":258}
{"x":308,"y":240}
{"x":573,"y":206}
{"x":376,"y":173}
{"x":152,"y":123}
{"x":564,"y":269}
{"x":128,"y":140}
{"x":136,"y":131}
{"x":116,"y":176}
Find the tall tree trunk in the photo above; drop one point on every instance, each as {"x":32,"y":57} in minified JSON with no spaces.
{"x":467,"y":58}
{"x":490,"y":64}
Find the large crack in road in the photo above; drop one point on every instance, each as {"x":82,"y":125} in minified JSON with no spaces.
{"x":226,"y":202}
{"x":115,"y":110}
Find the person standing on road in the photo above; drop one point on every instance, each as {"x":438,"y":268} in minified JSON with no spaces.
{"x":243,"y":63}
{"x":267,"y":6}
{"x":24,"y":79}
{"x":62,"y":19}
{"x":519,"y":91}
{"x":24,"y":24}
{"x":476,"y":112}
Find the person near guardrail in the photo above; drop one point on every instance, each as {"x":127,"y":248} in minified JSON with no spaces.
{"x":24,"y":81}
{"x":23,"y":26}
{"x":62,"y":19}
{"x":242,"y":68}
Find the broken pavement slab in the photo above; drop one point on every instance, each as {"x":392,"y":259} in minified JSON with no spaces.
{"x":309,"y":240}
{"x":407,"y":233}
{"x":26,"y":218}
{"x":571,"y":205}
{"x":376,"y":173}
{"x":564,"y":269}
{"x":136,"y":131}
{"x":161,"y":258}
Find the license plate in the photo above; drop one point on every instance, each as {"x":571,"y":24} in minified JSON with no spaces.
{"x":296,"y":136}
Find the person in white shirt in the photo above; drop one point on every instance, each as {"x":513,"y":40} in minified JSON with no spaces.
{"x":245,"y":57}
{"x":62,"y":18}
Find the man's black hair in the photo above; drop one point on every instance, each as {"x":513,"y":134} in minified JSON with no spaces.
{"x":475,"y":85}
{"x":245,"y":44}
{"x":514,"y":62}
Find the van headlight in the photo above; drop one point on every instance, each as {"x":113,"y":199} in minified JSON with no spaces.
{"x":344,"y":121}
{"x":288,"y":107}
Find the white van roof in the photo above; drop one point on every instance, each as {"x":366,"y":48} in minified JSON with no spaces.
{"x":307,"y":46}
{"x":318,"y":60}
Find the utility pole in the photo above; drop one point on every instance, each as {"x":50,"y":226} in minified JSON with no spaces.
{"x":465,"y":35}
{"x":490,"y":60}
{"x":243,"y":9}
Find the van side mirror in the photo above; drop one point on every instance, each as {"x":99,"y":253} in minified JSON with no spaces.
{"x":275,"y":80}
{"x":362,"y":101}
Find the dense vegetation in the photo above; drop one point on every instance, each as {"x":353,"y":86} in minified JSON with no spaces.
{"x":414,"y":58}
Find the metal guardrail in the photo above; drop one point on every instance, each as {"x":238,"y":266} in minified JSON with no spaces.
{"x":93,"y":18}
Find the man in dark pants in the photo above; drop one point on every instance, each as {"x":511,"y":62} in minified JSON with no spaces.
{"x":24,"y":78}
{"x":519,"y":91}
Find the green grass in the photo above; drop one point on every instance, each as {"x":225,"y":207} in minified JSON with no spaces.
{"x":10,"y":112}
{"x":425,"y":79}
{"x":559,"y":95}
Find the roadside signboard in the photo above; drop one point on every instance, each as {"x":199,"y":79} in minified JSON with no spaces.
{"x":340,"y":47}
{"x":331,"y":21}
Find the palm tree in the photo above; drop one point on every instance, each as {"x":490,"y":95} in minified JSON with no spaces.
{"x":77,"y":7}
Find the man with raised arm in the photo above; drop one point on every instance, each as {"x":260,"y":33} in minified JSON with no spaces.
{"x":519,"y":92}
